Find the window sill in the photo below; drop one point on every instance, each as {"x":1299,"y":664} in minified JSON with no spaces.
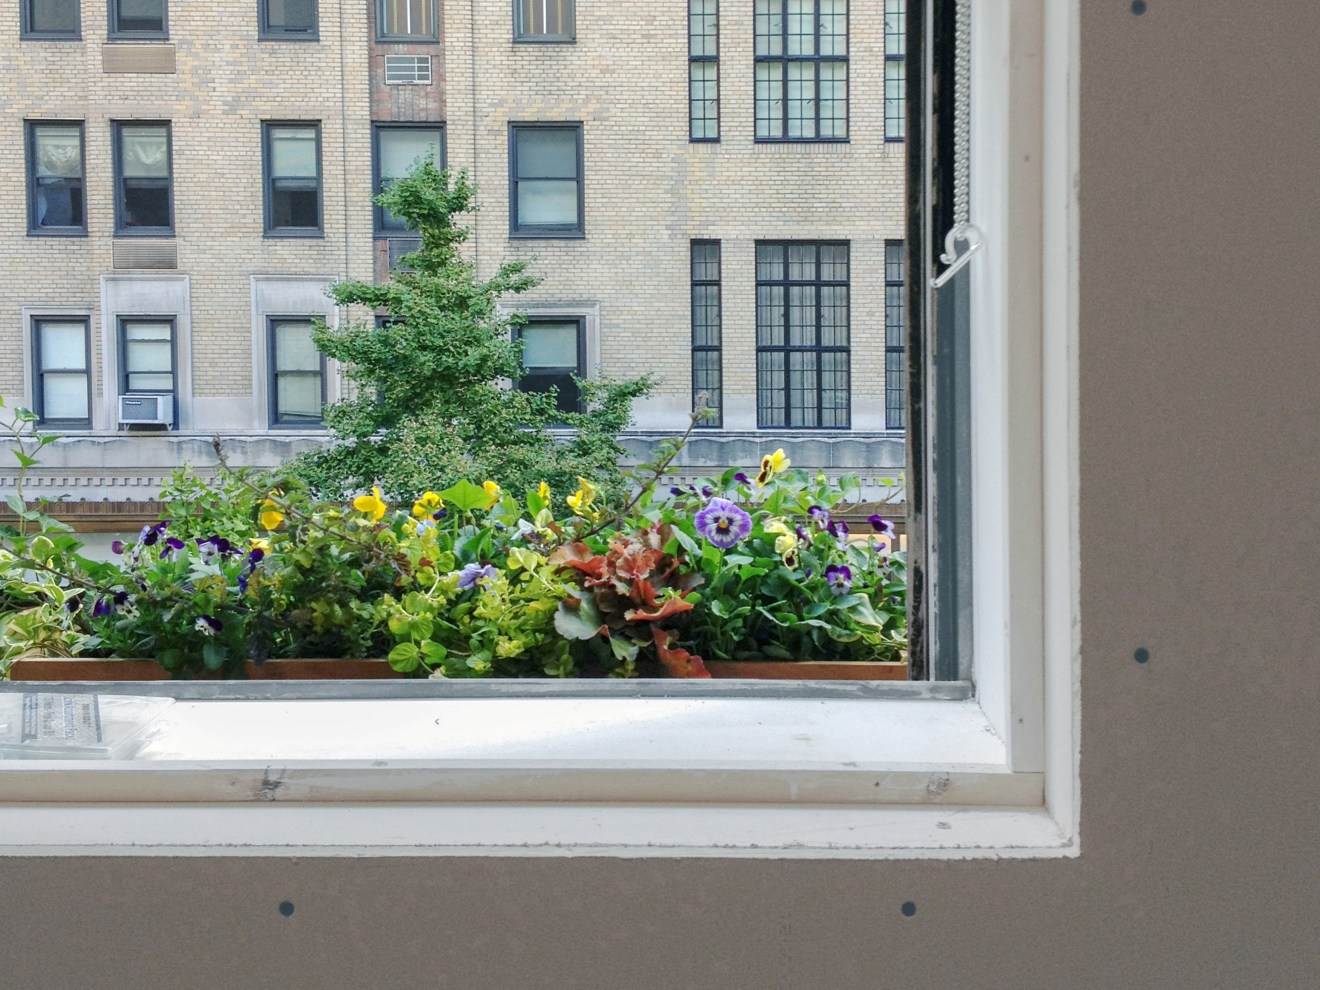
{"x":514,"y":776}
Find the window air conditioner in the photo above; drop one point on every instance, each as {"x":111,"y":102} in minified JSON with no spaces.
{"x":149,"y":409}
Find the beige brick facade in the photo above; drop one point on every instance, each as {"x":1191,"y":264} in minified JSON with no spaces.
{"x":648,"y":192}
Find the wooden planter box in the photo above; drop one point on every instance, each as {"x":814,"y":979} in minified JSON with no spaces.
{"x":83,"y":669}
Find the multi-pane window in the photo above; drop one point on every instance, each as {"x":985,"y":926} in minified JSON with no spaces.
{"x":292,"y":159}
{"x":707,"y":355}
{"x":543,"y":20}
{"x":545,"y":180}
{"x":802,"y":346}
{"x":703,"y":70}
{"x":407,"y":20}
{"x":801,"y":70}
{"x":57,"y":200}
{"x":297,"y":373}
{"x":146,"y":352}
{"x":553,"y":353}
{"x":288,"y":20}
{"x":62,"y":380}
{"x":895,"y":374}
{"x":144,"y":200}
{"x":137,"y":19}
{"x":398,"y":148}
{"x":50,"y":18}
{"x":895,"y":69}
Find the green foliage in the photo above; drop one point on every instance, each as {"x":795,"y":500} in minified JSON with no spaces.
{"x":432,"y":405}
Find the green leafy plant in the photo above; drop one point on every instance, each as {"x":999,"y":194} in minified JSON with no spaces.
{"x":432,"y":403}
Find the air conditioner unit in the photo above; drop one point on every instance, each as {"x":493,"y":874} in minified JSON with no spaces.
{"x":149,"y":409}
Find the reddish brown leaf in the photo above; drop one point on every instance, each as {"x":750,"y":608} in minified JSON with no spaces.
{"x":677,"y":662}
{"x":673,"y":606}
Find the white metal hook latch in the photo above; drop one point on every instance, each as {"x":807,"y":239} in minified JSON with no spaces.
{"x":968,"y":232}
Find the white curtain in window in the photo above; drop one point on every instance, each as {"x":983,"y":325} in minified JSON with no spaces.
{"x":550,"y":345}
{"x":144,"y":152}
{"x":58,"y":151}
{"x":293,"y":152}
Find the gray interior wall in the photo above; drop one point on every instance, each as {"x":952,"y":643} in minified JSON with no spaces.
{"x":1200,"y":344}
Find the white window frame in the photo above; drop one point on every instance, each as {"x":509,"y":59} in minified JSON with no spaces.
{"x":725,"y":774}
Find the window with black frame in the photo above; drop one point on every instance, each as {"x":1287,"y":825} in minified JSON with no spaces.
{"x":895,"y":70}
{"x":543,"y":20}
{"x":296,"y":393}
{"x":288,"y":20}
{"x":802,"y":335}
{"x":407,"y":20}
{"x":703,"y":70}
{"x":707,"y":342}
{"x":553,"y":353}
{"x":144,"y":194}
{"x":292,"y":160}
{"x":146,"y":353}
{"x":57,"y":196}
{"x":398,"y":148}
{"x":545,"y":180}
{"x":51,"y":19}
{"x":801,"y":70}
{"x":61,"y":365}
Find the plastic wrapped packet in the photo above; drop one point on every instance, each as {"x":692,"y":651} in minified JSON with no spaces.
{"x":41,"y":725}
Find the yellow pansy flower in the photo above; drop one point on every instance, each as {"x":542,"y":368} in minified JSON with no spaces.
{"x":372,"y":505}
{"x":786,"y":544}
{"x":257,"y":543}
{"x":580,"y":501}
{"x":271,"y":516}
{"x":493,"y":490}
{"x":778,"y":526}
{"x":426,"y":506}
{"x":544,"y":491}
{"x":771,"y":465}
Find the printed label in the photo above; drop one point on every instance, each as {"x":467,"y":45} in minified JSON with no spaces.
{"x":62,"y":718}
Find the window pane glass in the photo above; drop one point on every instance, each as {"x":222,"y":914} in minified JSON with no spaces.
{"x":567,"y":397}
{"x":547,"y":153}
{"x":400,"y":148}
{"x":298,"y":397}
{"x":547,"y":201}
{"x":58,"y":181}
{"x":53,"y":16}
{"x":64,"y":396}
{"x":295,"y":203}
{"x":293,"y":152}
{"x":144,"y":151}
{"x":145,"y":356}
{"x":63,"y":345}
{"x":291,"y":15}
{"x":801,"y":27}
{"x":407,"y":17}
{"x":769,"y":27}
{"x":294,"y":350}
{"x":140,"y":15}
{"x":146,"y":331}
{"x":550,"y":345}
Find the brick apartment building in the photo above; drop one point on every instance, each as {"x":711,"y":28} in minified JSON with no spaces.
{"x":713,"y":192}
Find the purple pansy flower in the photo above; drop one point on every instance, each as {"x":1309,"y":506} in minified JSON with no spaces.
{"x":117,"y":546}
{"x":707,"y":491}
{"x":838,"y":577}
{"x":171,"y":544}
{"x":675,"y":490}
{"x":101,"y":609}
{"x":880,"y":525}
{"x":802,"y":534}
{"x":472,"y":573}
{"x":819,"y":515}
{"x":742,"y":479}
{"x":208,"y":625}
{"x":723,"y":523}
{"x":838,"y":530}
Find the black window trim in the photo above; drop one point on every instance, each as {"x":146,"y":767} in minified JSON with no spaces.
{"x":121,"y":357}
{"x":114,"y":34}
{"x":902,"y":60}
{"x":273,"y":420}
{"x":561,"y":232}
{"x":27,"y":33}
{"x":377,"y":126}
{"x":267,"y":33}
{"x":816,"y":348}
{"x":896,"y":413}
{"x":38,"y":372}
{"x":717,"y":421}
{"x":408,"y":39}
{"x":516,"y":332}
{"x":267,"y":187}
{"x":784,"y":59}
{"x":116,"y":154}
{"x":30,"y":128}
{"x":714,"y":60}
{"x":520,"y":37}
